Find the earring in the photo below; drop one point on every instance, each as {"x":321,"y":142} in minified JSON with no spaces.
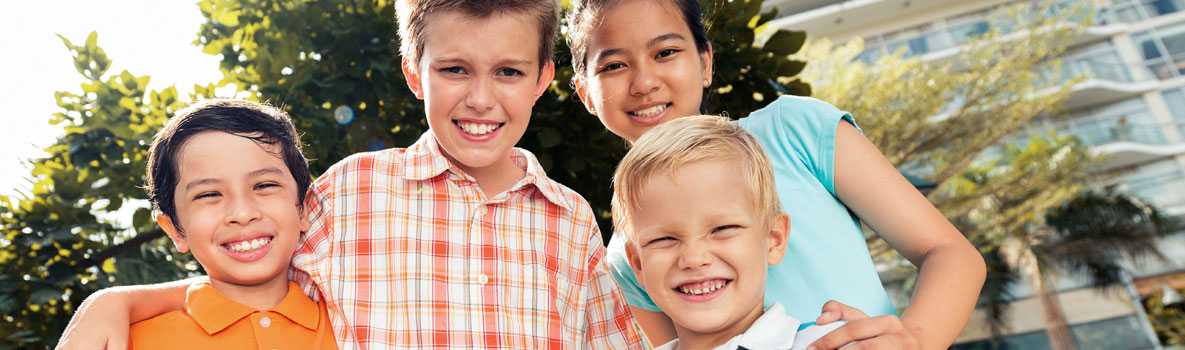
{"x":707,"y":82}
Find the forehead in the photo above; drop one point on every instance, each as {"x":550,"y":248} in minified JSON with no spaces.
{"x":704,"y":188}
{"x":633,"y":23}
{"x":498,"y":36}
{"x":219,"y":153}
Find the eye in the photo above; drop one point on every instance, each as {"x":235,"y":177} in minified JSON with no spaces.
{"x":609,"y":67}
{"x":660,"y":242}
{"x":453,"y":70}
{"x":664,"y":53}
{"x":266,"y":185}
{"x":509,"y":72}
{"x":726,"y":228}
{"x":203,"y":195}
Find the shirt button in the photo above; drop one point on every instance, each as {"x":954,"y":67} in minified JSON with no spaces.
{"x":265,"y":322}
{"x":483,"y":279}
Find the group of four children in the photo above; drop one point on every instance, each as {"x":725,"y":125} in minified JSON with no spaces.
{"x":462,"y":241}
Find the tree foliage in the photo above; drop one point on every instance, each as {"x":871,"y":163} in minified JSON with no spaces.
{"x":84,"y":225}
{"x":331,"y":66}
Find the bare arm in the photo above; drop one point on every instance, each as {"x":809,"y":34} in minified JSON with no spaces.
{"x":658,"y":328}
{"x":103,"y":319}
{"x":951,"y":270}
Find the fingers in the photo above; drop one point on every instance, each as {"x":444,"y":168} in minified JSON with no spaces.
{"x":835,"y":311}
{"x":888,"y":327}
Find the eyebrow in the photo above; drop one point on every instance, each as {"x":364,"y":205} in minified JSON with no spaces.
{"x":458,"y":61}
{"x":658,"y":39}
{"x":271,"y":170}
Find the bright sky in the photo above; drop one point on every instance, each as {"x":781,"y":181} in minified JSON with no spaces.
{"x":145,"y":37}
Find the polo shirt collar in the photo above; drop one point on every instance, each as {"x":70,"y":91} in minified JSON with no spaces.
{"x":425,"y":160}
{"x":773,"y":330}
{"x":214,"y":312}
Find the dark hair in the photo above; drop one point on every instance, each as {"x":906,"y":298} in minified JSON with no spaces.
{"x":260,"y":123}
{"x":586,"y":15}
{"x":412,"y":17}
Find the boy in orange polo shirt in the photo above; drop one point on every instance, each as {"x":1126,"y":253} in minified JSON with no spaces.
{"x":227,"y":179}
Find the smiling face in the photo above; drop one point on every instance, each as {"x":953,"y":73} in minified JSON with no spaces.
{"x":479,"y":79}
{"x":643,"y":68}
{"x":237,"y":211}
{"x":701,"y":250}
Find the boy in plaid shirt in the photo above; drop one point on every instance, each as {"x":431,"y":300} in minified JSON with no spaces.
{"x":461,"y":240}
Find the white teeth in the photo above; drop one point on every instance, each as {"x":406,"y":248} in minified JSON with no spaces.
{"x":477,"y":128}
{"x":651,"y":111}
{"x":703,"y":288}
{"x":254,"y":244}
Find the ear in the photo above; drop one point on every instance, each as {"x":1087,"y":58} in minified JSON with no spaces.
{"x":546,"y":75}
{"x":779,"y":234}
{"x":411,"y":74}
{"x":582,"y":90}
{"x":706,"y":65}
{"x":304,"y":219}
{"x":166,"y":224}
{"x":631,"y":256}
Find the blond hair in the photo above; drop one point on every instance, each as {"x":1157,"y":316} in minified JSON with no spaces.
{"x":668,"y":147}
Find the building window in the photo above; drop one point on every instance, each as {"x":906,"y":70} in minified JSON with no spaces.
{"x":1121,"y":333}
{"x":1175,"y":98}
{"x":1126,"y":121}
{"x":1030,"y":340}
{"x":1163,"y":50}
{"x":1162,"y":184}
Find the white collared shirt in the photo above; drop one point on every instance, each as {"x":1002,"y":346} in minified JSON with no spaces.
{"x":774,"y":330}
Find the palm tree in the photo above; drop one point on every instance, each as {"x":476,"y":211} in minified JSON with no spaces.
{"x":1092,"y":235}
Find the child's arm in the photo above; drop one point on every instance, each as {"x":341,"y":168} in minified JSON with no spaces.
{"x":657,"y":327}
{"x":103,"y":318}
{"x":951,"y":270}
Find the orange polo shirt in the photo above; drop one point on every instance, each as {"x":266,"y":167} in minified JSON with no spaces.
{"x":211,"y":321}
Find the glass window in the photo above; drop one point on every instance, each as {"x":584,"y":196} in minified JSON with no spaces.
{"x":1111,"y":334}
{"x":1031,"y":340}
{"x":1175,"y":98}
{"x":1161,"y":183}
{"x":1126,"y":121}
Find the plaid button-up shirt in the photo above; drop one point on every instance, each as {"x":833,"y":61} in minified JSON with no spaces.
{"x":409,"y":253}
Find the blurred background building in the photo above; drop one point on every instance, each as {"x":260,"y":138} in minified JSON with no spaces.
{"x":1129,"y":107}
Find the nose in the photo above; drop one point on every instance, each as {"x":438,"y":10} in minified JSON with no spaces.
{"x":694,"y":255}
{"x":480,"y":97}
{"x":242,"y":210}
{"x":644,"y":81}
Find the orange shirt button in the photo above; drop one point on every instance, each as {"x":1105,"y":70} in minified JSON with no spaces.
{"x":265,"y":322}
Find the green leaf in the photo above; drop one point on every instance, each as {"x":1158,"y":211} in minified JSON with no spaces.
{"x":785,"y":42}
{"x":549,"y":137}
{"x":791,"y":68}
{"x":142,"y":220}
{"x":44,"y":295}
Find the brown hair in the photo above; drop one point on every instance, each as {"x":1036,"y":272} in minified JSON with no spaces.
{"x":413,"y":15}
{"x":258,"y":122}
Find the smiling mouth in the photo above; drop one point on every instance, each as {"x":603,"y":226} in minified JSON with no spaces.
{"x":477,"y":129}
{"x":649,"y":113}
{"x":247,"y":246}
{"x":703,"y":288}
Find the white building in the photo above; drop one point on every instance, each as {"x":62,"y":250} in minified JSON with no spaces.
{"x":1131,"y":107}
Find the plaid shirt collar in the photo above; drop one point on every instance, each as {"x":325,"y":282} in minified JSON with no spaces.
{"x":424,"y":160}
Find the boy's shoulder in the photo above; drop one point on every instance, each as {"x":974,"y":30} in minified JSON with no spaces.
{"x":553,"y":190}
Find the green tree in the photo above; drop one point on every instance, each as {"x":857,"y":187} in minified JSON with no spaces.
{"x":84,"y":225}
{"x":328,"y":63}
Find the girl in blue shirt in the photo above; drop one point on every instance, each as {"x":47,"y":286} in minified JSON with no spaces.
{"x":639,"y":63}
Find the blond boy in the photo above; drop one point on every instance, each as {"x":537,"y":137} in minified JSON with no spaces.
{"x":695,"y":197}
